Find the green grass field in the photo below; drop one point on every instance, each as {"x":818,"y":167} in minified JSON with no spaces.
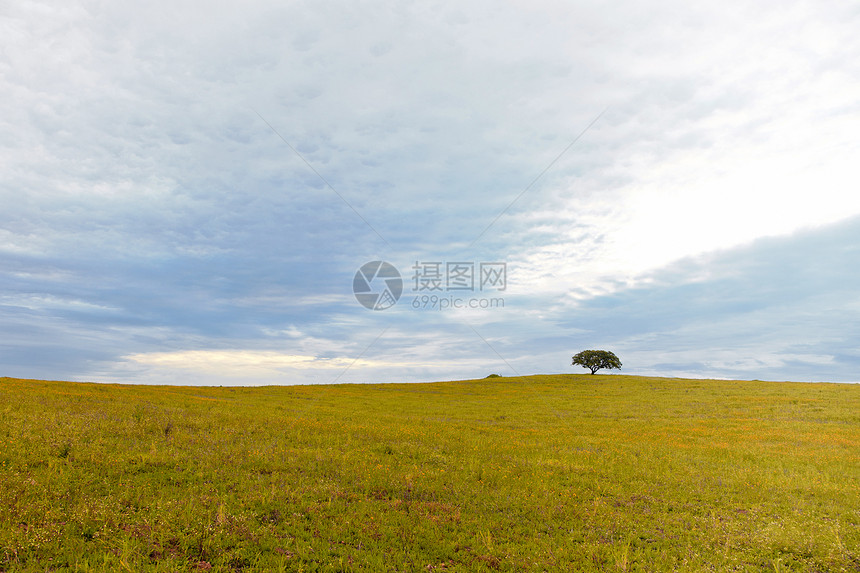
{"x":539,"y":473}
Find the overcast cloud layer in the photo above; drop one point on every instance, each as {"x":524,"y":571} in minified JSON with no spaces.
{"x":188,"y":188}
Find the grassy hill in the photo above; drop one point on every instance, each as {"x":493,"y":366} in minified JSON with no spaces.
{"x":538,"y":473}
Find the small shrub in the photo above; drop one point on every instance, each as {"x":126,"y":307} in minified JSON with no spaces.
{"x":65,"y":450}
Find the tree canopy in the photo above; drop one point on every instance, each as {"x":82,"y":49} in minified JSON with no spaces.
{"x":594,"y":360}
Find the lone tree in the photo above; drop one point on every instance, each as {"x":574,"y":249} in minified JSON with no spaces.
{"x":594,"y":360}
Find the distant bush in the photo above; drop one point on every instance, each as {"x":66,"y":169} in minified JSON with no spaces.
{"x":494,"y":376}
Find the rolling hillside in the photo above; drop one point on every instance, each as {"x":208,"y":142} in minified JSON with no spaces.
{"x":537,"y":473}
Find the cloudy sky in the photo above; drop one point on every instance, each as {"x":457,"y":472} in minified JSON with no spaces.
{"x":187,"y":189}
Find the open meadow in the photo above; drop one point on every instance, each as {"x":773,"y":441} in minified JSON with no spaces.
{"x":537,"y":473}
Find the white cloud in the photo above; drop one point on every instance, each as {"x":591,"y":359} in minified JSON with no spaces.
{"x":245,"y":363}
